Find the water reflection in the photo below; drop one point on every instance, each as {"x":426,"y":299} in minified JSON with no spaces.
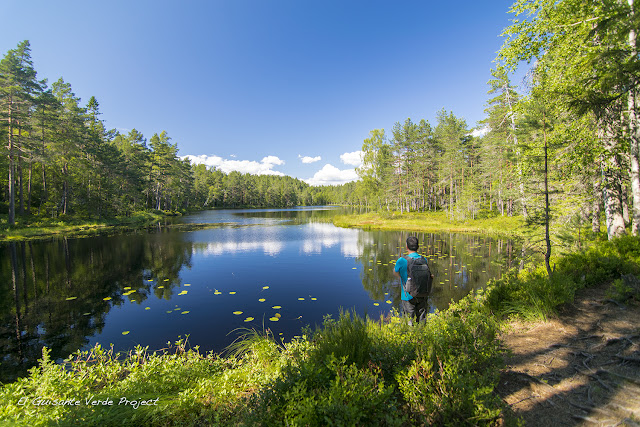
{"x":460,"y":263}
{"x":68,"y":294}
{"x":58,"y":294}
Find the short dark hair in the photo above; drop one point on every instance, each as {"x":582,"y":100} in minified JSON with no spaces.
{"x":412,"y":243}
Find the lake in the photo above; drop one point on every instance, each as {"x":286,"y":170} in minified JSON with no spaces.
{"x":263,"y":268}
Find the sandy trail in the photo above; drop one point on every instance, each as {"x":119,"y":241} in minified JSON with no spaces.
{"x":581,"y":368}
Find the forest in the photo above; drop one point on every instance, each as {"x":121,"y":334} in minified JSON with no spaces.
{"x":562,"y":152}
{"x":61,"y":160}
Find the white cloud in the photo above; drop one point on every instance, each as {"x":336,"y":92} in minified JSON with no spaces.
{"x":264,"y":167}
{"x":307,"y":159}
{"x":354,"y":158}
{"x":331,"y":175}
{"x":272,"y":160}
{"x":480,"y":132}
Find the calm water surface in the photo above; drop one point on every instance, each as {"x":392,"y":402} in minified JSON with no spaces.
{"x":277,"y":269}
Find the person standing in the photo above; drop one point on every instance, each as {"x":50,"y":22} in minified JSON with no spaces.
{"x":413,"y":307}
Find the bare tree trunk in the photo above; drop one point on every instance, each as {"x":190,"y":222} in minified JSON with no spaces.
{"x":20,"y":186}
{"x":634,"y":137}
{"x":595,"y":206}
{"x":547,"y":209}
{"x":612,"y":208}
{"x":12,"y":188}
{"x":29,"y":185}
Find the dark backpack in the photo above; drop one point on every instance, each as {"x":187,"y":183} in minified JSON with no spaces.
{"x":419,"y":277}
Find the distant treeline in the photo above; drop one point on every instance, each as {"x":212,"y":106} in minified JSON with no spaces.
{"x":62,"y":160}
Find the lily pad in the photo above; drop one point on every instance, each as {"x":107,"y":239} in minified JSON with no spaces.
{"x":185,"y":312}
{"x":127,"y":287}
{"x":300,"y":299}
{"x":376,"y":304}
{"x":147,"y":308}
{"x":106,"y":299}
{"x":125,"y":332}
{"x":277,"y":307}
{"x":262,"y":300}
{"x":71,"y":298}
{"x":314,"y":299}
{"x":237,"y":312}
{"x":183,"y":293}
{"x":274,"y":319}
{"x":389,"y":302}
{"x":232,"y":293}
{"x":187,"y":284}
{"x":248,"y":319}
{"x":265,"y":287}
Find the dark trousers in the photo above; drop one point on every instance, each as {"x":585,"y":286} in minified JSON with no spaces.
{"x":415,"y":308}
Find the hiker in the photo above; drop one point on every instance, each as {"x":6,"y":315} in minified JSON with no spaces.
{"x":414,"y":306}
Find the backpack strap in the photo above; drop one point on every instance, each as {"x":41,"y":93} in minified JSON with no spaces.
{"x":405,"y":283}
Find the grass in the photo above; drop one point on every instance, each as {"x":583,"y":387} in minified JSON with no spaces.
{"x":532,"y":295}
{"x":39,"y":227}
{"x":431,"y":222}
{"x":350,"y":371}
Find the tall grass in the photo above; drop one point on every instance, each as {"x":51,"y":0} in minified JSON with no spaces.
{"x":532,"y":295}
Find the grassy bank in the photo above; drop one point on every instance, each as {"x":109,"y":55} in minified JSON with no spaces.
{"x":431,"y":222}
{"x":42,"y":227}
{"x":351,"y":371}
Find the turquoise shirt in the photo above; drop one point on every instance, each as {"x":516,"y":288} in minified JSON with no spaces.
{"x":401,"y":268}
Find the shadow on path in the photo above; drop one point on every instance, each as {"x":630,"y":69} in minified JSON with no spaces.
{"x":582,"y":368}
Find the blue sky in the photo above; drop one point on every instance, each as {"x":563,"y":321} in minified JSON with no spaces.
{"x":261,"y":85}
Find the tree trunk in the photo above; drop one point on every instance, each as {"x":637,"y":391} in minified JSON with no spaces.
{"x":44,"y":197}
{"x":29,"y":186}
{"x":634,"y":137}
{"x":12,"y":190}
{"x":595,"y":206}
{"x":19,"y":175}
{"x":612,"y":208}
{"x":547,"y":219}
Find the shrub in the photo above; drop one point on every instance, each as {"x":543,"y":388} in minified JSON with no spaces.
{"x":451,"y":381}
{"x":345,"y":338}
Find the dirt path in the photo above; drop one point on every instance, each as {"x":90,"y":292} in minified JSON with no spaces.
{"x":582,"y":368}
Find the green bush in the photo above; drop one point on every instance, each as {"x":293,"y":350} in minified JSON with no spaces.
{"x":451,"y":381}
{"x":336,"y":393}
{"x":345,"y":338}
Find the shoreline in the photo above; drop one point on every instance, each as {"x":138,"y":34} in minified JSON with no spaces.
{"x":429,"y":222}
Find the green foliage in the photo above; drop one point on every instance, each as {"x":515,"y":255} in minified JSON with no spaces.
{"x":351,"y":371}
{"x":451,"y":380}
{"x":345,"y":338}
{"x":603,"y":262}
{"x":533,"y":295}
{"x":332,"y":393}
